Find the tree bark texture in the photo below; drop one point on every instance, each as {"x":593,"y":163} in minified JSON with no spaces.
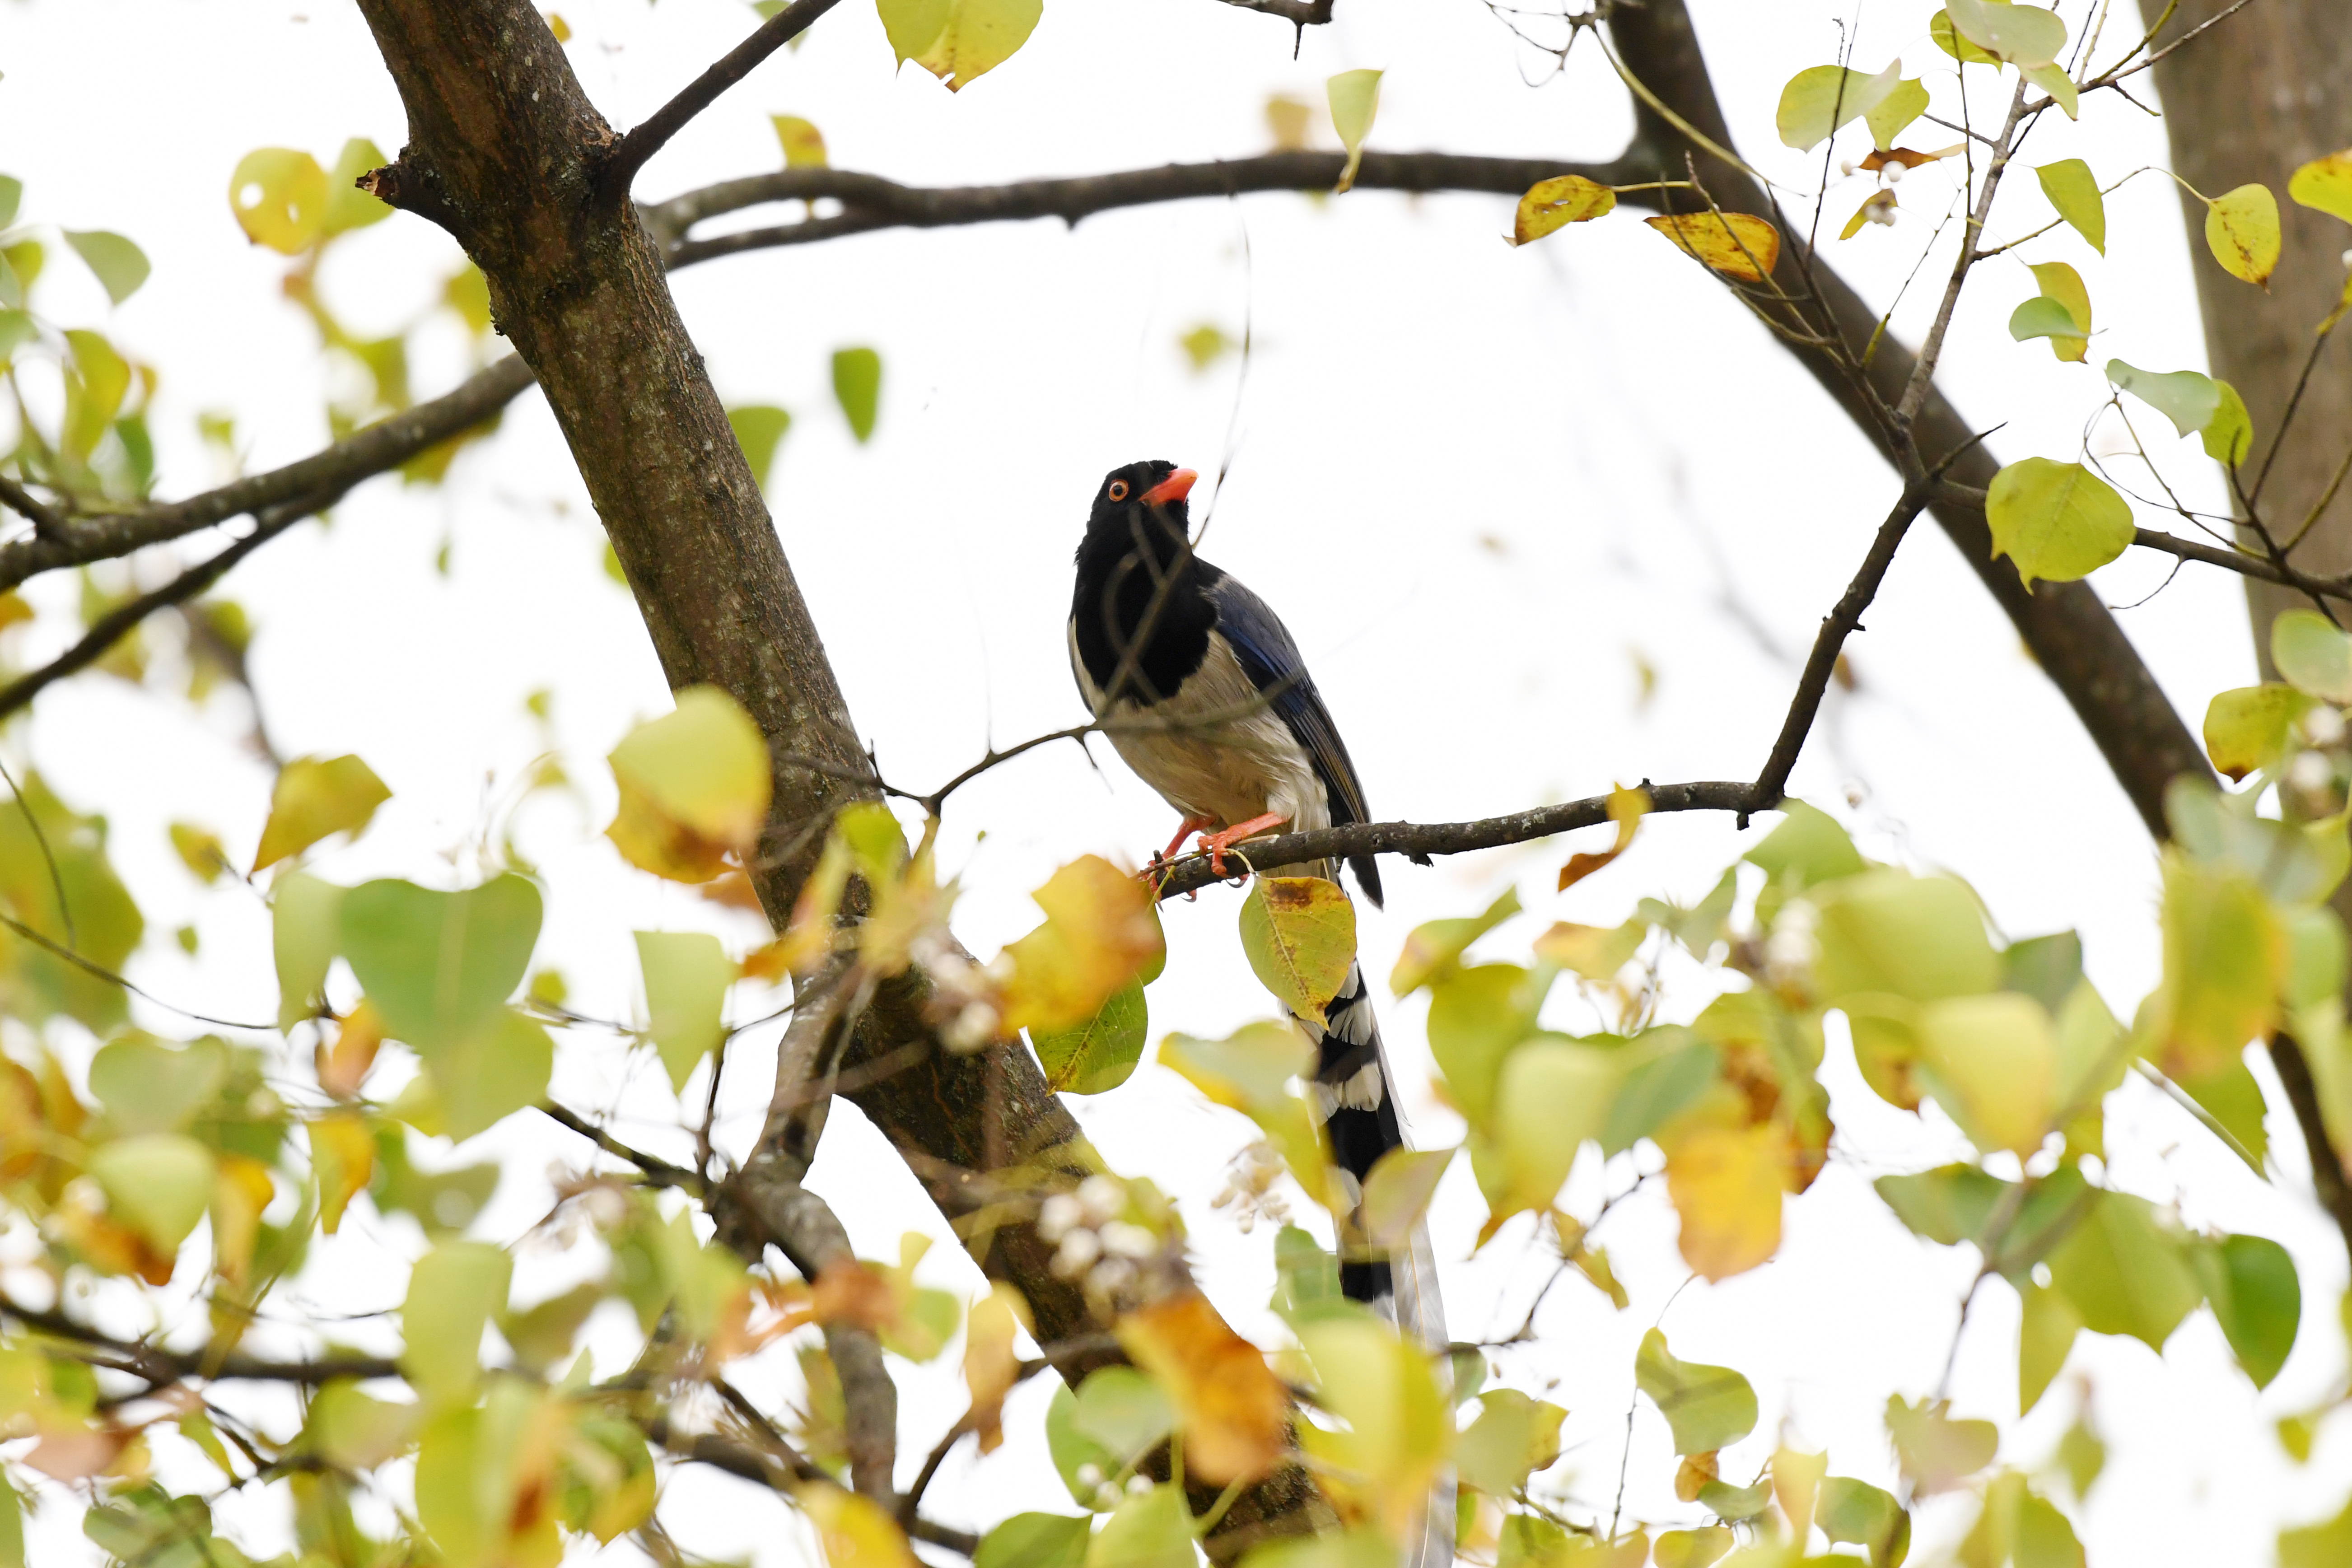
{"x":504,"y":152}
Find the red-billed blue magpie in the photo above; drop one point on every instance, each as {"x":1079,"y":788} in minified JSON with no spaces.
{"x":1206,"y":697}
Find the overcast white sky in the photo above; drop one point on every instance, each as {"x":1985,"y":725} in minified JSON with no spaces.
{"x":1484,"y":487}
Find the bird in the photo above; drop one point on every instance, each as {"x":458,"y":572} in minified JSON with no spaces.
{"x":1204,"y":693}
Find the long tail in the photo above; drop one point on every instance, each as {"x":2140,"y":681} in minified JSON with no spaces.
{"x":1355,"y":1092}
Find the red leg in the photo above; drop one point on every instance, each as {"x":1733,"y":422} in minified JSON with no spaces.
{"x":1184,"y":829}
{"x":1217,"y":843}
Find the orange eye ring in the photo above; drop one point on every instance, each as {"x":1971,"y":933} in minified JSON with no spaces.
{"x":1118,"y":489}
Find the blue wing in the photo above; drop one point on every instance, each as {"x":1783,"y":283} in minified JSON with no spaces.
{"x":1275,"y":666}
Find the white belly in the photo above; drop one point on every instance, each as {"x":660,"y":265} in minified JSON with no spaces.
{"x":1214,"y":750}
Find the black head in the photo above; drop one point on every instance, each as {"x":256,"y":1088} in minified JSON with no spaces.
{"x":1156,"y":488}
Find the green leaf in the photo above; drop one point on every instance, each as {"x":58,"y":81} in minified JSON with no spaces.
{"x":1475,"y":1017}
{"x":149,"y":1087}
{"x":94,"y":392}
{"x":686,"y":976}
{"x":1035,"y":1540}
{"x":1669,"y":1071}
{"x":160,"y":1183}
{"x":1250,"y":1070}
{"x":1938,"y":1453}
{"x":2225,"y":954}
{"x":2060,"y":281}
{"x":452,"y":1294}
{"x":314,"y":799}
{"x":2251,"y":1283}
{"x":1890,"y":932}
{"x":2024,"y":35}
{"x":1397,"y":1192}
{"x":1693,"y":1548}
{"x":120,"y":266}
{"x":857,"y":387}
{"x":2229,"y":438}
{"x":1153,"y":1529}
{"x":2056,"y":521}
{"x":2061,"y":88}
{"x":2046,"y":1337}
{"x":1819,"y":100}
{"x":440,"y":965}
{"x":2073,"y":189}
{"x":17,"y":328}
{"x":2313,"y":655}
{"x":1948,"y":39}
{"x":2186,"y":398}
{"x":2241,"y":230}
{"x":1807,"y":850}
{"x":759,"y":429}
{"x":1355,"y":99}
{"x":1099,"y":1054}
{"x":2296,"y":864}
{"x":2124,"y":1270}
{"x":1708,"y":1407}
{"x":2046,"y":968}
{"x":348,"y":206}
{"x":1305,"y":1278}
{"x":1860,"y":1514}
{"x":2324,"y":184}
{"x":2234,"y":1100}
{"x":1551,"y":1095}
{"x":1734,"y":1503}
{"x":1950,"y":1203}
{"x":1124,"y":1412}
{"x":1434,"y":948}
{"x":500,"y":1067}
{"x":1076,"y":1456}
{"x":1896,"y":111}
{"x":1513,"y":1435}
{"x":279,"y":197}
{"x":912,"y":25}
{"x":2249,"y":728}
{"x":2043,"y":317}
{"x":2324,"y":1545}
{"x":12,"y":193}
{"x":1299,"y":936}
{"x":306,"y":925}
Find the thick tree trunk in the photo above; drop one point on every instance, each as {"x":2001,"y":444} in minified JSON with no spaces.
{"x":504,"y":152}
{"x":2257,"y":96}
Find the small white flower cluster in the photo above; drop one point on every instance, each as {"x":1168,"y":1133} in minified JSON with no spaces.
{"x":1790,"y":951}
{"x":1249,"y":1188}
{"x":1105,"y":1491}
{"x":2312,"y":770}
{"x":1093,"y":1244}
{"x":965,"y":995}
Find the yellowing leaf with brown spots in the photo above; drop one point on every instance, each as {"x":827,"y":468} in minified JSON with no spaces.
{"x":1734,"y":244}
{"x":1101,"y":931}
{"x":1234,"y":1411}
{"x":694,"y":786}
{"x":978,"y":36}
{"x":2242,"y":227}
{"x":1626,"y":809}
{"x":1726,"y":1184}
{"x":1299,"y":935}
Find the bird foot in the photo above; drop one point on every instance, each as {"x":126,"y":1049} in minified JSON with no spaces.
{"x":1217,"y":843}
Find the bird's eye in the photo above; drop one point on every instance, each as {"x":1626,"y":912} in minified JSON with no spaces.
{"x":1118,"y":489}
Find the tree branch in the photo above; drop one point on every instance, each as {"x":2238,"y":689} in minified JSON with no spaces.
{"x":1297,"y":12}
{"x":45,"y":522}
{"x":160,"y":1366}
{"x":329,"y":472}
{"x":629,"y":153}
{"x":874,"y":202}
{"x":721,"y":1453}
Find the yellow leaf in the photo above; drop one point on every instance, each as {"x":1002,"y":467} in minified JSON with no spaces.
{"x":1235,"y":1412}
{"x":279,"y":196}
{"x":343,"y":1066}
{"x":2242,"y":227}
{"x":1101,"y":931}
{"x":1597,"y":953}
{"x":1400,"y":1427}
{"x":1561,"y":200}
{"x":2062,"y":283}
{"x":978,"y":36}
{"x":314,"y":799}
{"x":200,"y":851}
{"x":1355,"y":99}
{"x":1734,"y":244}
{"x":694,"y":786}
{"x":1626,"y":809}
{"x":1991,"y":1062}
{"x":989,"y":1367}
{"x":241,"y":1190}
{"x":1397,"y":1192}
{"x":343,"y":1158}
{"x":2225,"y":955}
{"x":802,"y":142}
{"x":1820,"y":99}
{"x":1726,"y":1184}
{"x":2325,"y":184}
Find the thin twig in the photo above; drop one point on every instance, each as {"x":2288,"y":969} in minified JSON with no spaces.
{"x":100,"y":972}
{"x":41,"y":838}
{"x":47,"y":523}
{"x":658,"y":1171}
{"x":620,"y":166}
